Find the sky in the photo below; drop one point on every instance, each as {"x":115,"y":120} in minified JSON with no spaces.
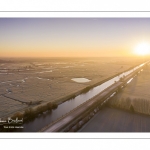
{"x":72,"y":37}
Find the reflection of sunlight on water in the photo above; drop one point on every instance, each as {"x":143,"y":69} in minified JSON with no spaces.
{"x":48,"y":68}
{"x":80,"y":80}
{"x":6,"y":73}
{"x":67,"y":66}
{"x":41,"y":78}
{"x":23,"y":80}
{"x":3,"y":71}
{"x":37,"y":72}
{"x":44,"y":71}
{"x":60,"y":63}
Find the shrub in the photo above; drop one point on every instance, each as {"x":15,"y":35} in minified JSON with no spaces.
{"x":54,"y":105}
{"x":131,"y":108}
{"x":17,"y":115}
{"x":29,"y":113}
{"x":49,"y":106}
{"x":38,"y":109}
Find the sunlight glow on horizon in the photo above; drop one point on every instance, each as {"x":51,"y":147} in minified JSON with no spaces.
{"x":142,"y":49}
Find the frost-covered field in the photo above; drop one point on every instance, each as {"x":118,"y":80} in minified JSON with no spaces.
{"x":137,"y":94}
{"x":50,"y":79}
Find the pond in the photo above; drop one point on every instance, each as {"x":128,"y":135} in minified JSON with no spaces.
{"x":80,"y":80}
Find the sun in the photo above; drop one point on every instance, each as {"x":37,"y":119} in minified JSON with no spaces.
{"x":142,"y":49}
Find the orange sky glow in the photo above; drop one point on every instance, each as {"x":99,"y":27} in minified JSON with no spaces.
{"x":73,"y":37}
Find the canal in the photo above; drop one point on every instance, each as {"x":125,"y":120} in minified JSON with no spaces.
{"x":46,"y":118}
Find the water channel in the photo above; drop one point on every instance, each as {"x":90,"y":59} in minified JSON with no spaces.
{"x":46,"y":118}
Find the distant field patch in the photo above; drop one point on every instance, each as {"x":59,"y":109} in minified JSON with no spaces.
{"x":136,"y":94}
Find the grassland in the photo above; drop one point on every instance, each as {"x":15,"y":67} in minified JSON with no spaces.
{"x":49,"y":80}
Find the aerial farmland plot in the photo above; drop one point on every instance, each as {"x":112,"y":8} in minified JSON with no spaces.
{"x":46,"y":80}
